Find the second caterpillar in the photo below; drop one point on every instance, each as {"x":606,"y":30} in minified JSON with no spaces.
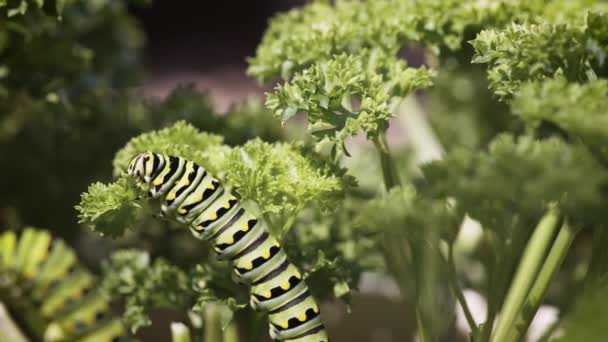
{"x":190,"y":195}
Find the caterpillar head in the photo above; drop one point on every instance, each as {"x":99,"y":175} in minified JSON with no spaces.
{"x":144,"y":166}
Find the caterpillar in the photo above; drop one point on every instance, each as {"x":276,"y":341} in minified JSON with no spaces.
{"x":190,"y":195}
{"x":43,"y":275}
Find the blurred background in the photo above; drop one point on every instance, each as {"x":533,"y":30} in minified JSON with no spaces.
{"x":205,"y":44}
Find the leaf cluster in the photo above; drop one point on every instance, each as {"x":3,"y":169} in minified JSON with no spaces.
{"x":509,"y":187}
{"x":533,"y":52}
{"x":578,"y":109}
{"x":62,"y":106}
{"x":282,"y":178}
{"x":404,"y":211}
{"x":349,"y":94}
{"x":145,"y":285}
{"x":322,"y":29}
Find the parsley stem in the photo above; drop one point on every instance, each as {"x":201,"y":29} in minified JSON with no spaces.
{"x":552,"y":264}
{"x":527,"y":271}
{"x":231,"y":333}
{"x":212,"y":323}
{"x":422,"y":331}
{"x":387,"y":163}
{"x":453,"y":279}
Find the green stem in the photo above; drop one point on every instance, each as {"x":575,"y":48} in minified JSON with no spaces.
{"x":395,"y":255}
{"x":231,"y":333}
{"x":389,"y":171}
{"x":494,"y":289}
{"x":290,"y":221}
{"x":453,"y":279}
{"x":552,"y":264}
{"x":213,"y":324}
{"x":527,"y":271}
{"x":180,"y":332}
{"x":422,"y":331}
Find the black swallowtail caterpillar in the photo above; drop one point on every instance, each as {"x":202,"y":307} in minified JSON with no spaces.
{"x":190,"y":195}
{"x":46,"y":273}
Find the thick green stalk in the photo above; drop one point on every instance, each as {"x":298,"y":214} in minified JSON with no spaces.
{"x":422,"y":331}
{"x":527,"y":271}
{"x":231,"y":333}
{"x":180,"y":332}
{"x":212,"y":323}
{"x":552,"y":264}
{"x":389,"y":171}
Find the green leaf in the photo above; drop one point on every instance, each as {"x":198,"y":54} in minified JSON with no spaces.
{"x":130,"y":274}
{"x":578,"y":109}
{"x":284,"y":178}
{"x":110,"y":209}
{"x":181,"y":139}
{"x":533,"y":52}
{"x":509,"y":187}
{"x":323,"y":91}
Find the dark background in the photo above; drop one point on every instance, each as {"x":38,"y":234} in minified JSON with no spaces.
{"x":204,"y":34}
{"x":205,"y":43}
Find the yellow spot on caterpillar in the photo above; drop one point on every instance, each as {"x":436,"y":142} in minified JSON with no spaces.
{"x":213,"y":217}
{"x":211,"y":186}
{"x":266,"y":254}
{"x":298,"y":275}
{"x":217,"y":250}
{"x":158,"y":181}
{"x":230,"y":240}
{"x":284,"y":325}
{"x":276,"y":244}
{"x":285,"y":285}
{"x":182,"y":211}
{"x":267,"y":294}
{"x":245,"y":228}
{"x":302,"y":317}
{"x":232,"y":197}
{"x":315,"y":309}
{"x":227,"y":205}
{"x":170,"y":196}
{"x":198,"y":198}
{"x":249,"y":266}
{"x":198,"y":228}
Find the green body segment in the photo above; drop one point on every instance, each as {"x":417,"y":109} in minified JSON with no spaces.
{"x":190,"y":195}
{"x":60,"y":290}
